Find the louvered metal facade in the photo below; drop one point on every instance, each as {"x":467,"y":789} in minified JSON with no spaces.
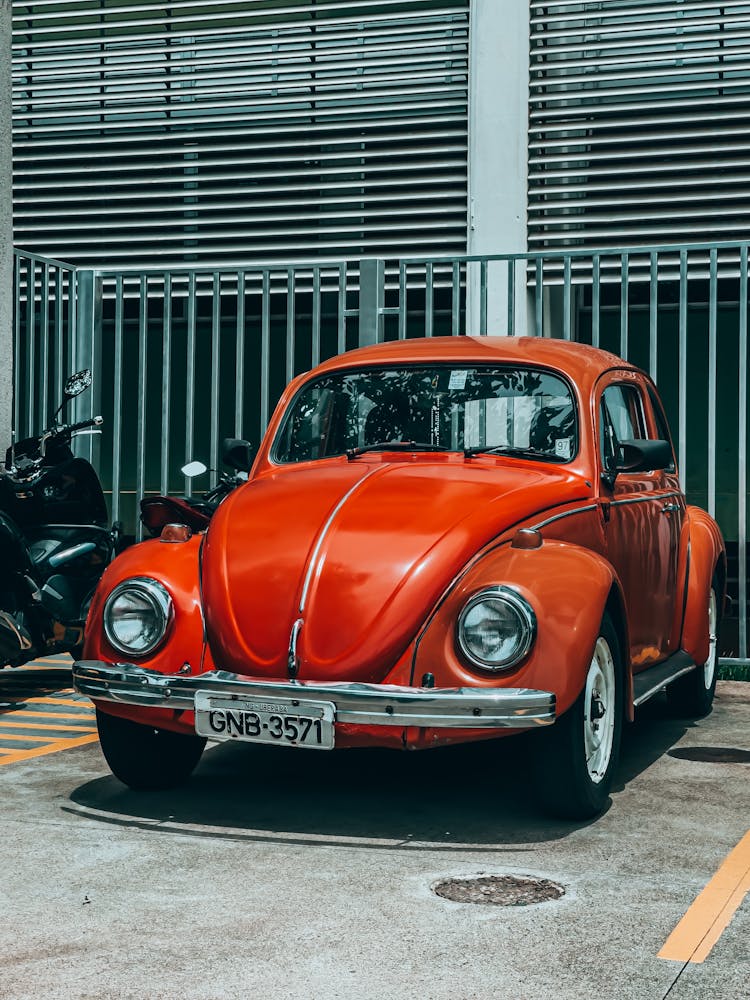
{"x":271,"y":129}
{"x":639,"y":115}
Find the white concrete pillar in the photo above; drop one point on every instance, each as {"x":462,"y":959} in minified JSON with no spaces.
{"x":498,"y":163}
{"x":6,"y":230}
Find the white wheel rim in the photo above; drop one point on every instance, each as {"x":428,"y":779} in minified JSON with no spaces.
{"x":599,"y":711}
{"x":709,"y":667}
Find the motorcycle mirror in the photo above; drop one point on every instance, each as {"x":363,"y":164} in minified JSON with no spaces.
{"x":237,"y":454}
{"x":76,"y":384}
{"x":193,"y":469}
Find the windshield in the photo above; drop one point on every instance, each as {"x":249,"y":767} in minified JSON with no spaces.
{"x":439,"y":407}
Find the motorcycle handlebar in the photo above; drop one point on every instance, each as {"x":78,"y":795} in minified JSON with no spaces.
{"x":82,"y":425}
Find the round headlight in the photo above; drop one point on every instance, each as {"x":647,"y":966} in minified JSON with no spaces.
{"x":136,"y":616}
{"x":496,"y":628}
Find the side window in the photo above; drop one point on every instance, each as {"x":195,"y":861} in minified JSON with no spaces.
{"x":622,"y":419}
{"x":662,"y":429}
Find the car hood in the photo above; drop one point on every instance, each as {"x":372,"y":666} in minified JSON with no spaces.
{"x":359,"y":552}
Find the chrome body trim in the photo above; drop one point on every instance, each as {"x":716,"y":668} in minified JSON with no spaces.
{"x":313,"y":560}
{"x":565,"y":513}
{"x":358,"y":704}
{"x":644,"y":498}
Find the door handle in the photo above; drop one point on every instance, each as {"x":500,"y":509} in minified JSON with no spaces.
{"x":670,"y":508}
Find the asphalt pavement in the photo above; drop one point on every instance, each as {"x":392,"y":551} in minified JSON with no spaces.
{"x":283,"y":874}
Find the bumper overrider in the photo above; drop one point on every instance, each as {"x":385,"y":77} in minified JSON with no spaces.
{"x":363,"y":704}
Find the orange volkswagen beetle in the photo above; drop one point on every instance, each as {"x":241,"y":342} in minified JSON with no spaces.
{"x":440,"y":540}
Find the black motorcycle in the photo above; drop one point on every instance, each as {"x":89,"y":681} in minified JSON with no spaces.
{"x":196,"y":512}
{"x":54,"y":539}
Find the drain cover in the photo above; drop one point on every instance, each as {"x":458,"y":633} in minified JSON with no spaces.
{"x":712,"y":755}
{"x":499,"y":890}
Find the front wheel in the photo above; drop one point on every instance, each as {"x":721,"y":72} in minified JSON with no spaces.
{"x":578,"y":755}
{"x":146,"y":758}
{"x":692,"y":696}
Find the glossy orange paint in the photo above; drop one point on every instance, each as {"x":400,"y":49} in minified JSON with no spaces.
{"x":707,"y":555}
{"x":377,"y":556}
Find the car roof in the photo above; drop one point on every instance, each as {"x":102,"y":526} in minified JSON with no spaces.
{"x":580,"y":362}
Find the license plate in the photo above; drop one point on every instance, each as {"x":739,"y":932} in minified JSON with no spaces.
{"x":283,"y":721}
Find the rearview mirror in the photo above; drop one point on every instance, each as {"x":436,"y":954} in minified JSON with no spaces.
{"x":237,"y":454}
{"x":193,"y":469}
{"x":76,"y":384}
{"x":643,"y":456}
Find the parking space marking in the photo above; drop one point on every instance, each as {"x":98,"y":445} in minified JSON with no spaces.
{"x":34,"y":725}
{"x":712,"y":910}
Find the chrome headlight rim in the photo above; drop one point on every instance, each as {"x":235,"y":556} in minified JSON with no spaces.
{"x":161,"y":601}
{"x":527,"y":622}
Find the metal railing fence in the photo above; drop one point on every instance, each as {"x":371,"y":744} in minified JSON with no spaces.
{"x":185,"y":356}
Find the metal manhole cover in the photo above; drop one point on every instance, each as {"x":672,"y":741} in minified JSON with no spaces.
{"x":712,"y":755}
{"x":499,"y":890}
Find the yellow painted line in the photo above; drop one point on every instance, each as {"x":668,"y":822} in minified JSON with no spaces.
{"x":84,"y":703}
{"x":21,"y":755}
{"x":712,"y":910}
{"x":59,"y":727}
{"x":23,"y":713}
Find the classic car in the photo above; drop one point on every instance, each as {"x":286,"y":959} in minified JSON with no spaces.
{"x":440,"y":540}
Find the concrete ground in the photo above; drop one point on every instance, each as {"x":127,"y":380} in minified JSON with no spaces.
{"x":280,"y":874}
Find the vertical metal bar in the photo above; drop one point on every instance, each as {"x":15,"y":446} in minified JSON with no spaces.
{"x":483,"y":298}
{"x":44,"y":343}
{"x":87,"y":353}
{"x":566,"y":298}
{"x":316,"y":310}
{"x":596,"y":299}
{"x":18,"y":277}
{"x":31,"y":347}
{"x":73,"y":283}
{"x":290,"y":313}
{"x":117,"y":407}
{"x":538,"y":299}
{"x":166,"y":381}
{"x":511,"y":276}
{"x":265,"y":348}
{"x":341,"y":309}
{"x":215,"y":373}
{"x":239,"y":395}
{"x":682,"y":366}
{"x":429,"y":300}
{"x":456,"y":299}
{"x":402,"y":301}
{"x":190,"y":378}
{"x":140,"y":477}
{"x":712,"y":347}
{"x":624,"y":304}
{"x":653,"y":306}
{"x":59,"y":356}
{"x":742,"y":457}
{"x":371,"y":301}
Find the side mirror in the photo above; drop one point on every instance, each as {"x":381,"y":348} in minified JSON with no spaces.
{"x":193,"y":469}
{"x":641,"y":456}
{"x":237,"y":454}
{"x":77,"y":383}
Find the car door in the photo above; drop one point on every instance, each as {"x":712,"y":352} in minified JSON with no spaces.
{"x":643,"y":514}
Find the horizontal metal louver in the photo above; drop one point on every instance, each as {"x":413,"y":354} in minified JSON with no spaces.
{"x":205,"y":131}
{"x":639,"y":122}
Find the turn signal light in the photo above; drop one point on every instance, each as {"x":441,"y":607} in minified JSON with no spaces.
{"x":176,"y":533}
{"x":527,"y":538}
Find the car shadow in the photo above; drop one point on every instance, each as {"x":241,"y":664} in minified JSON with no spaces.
{"x":17,"y":684}
{"x":457,"y":798}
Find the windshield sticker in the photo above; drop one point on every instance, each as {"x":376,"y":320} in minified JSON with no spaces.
{"x":458,"y":380}
{"x":563,"y":447}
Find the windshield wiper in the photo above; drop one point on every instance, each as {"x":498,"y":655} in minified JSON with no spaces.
{"x":352,"y":453}
{"x":506,"y":449}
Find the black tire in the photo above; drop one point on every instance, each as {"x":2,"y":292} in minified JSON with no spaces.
{"x":692,"y":696}
{"x":145,"y":758}
{"x":567,"y":787}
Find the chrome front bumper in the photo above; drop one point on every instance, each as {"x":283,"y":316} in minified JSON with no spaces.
{"x":358,"y":704}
